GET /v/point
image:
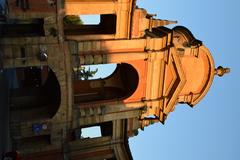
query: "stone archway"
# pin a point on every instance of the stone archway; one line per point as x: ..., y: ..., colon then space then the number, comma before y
x: 36, y: 94
x: 120, y: 85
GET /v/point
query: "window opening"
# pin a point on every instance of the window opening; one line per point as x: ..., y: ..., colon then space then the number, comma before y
x: 98, y: 130
x: 91, y: 132
x: 90, y: 24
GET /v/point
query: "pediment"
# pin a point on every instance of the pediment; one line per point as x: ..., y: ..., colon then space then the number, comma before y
x: 174, y: 80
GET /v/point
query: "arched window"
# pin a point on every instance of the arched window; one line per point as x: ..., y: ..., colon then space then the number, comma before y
x: 35, y: 94
x: 118, y: 86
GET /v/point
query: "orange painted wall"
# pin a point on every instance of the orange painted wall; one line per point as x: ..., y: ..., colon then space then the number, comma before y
x: 141, y: 67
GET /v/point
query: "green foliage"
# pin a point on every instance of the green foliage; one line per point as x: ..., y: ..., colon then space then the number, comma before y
x: 83, y: 74
x: 72, y: 19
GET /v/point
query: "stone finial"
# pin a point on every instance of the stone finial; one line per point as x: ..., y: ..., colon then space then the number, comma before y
x: 220, y: 71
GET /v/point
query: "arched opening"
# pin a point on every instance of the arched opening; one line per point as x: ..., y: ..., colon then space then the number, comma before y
x: 34, y: 94
x: 120, y: 85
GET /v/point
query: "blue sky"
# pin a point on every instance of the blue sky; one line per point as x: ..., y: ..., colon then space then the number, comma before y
x: 210, y: 131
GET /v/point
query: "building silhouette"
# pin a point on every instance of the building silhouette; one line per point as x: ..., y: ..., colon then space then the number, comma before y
x: 50, y: 105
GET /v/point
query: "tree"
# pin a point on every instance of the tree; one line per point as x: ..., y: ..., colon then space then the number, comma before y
x: 72, y: 19
x: 83, y: 74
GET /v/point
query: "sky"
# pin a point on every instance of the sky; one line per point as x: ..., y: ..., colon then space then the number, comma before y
x: 211, y: 130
